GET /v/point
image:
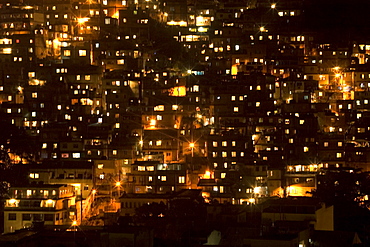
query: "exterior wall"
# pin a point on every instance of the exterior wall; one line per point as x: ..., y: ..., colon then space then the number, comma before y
x: 325, y: 219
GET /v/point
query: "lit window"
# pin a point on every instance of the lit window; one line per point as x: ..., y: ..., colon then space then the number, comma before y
x: 114, y: 152
x: 102, y: 175
x: 214, y: 144
x: 224, y: 154
x: 305, y: 149
x: 82, y: 53
x: 163, y: 178
x: 236, y: 109
x: 339, y: 155
x: 141, y: 168
x: 223, y: 174
x: 76, y: 155
x: 181, y: 179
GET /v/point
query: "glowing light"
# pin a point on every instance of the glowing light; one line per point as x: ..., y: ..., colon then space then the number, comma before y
x: 12, y: 201
x: 74, y: 223
x: 152, y: 122
x: 337, y: 75
x: 178, y: 91
x: 273, y: 6
x: 336, y: 68
x: 118, y: 184
x: 207, y: 175
x: 82, y: 20
x: 93, y: 191
x: 191, y: 144
x: 116, y: 15
x: 262, y: 29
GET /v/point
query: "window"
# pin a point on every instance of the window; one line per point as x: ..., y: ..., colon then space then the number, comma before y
x: 82, y: 53
x: 26, y: 217
x: 223, y: 174
x: 34, y: 175
x: 326, y: 144
x: 181, y: 179
x: 12, y: 216
x: 339, y: 155
x: 236, y: 109
x: 163, y: 178
x: 141, y: 168
x: 150, y: 179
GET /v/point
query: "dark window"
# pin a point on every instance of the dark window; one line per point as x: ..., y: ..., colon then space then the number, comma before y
x: 12, y: 216
x: 26, y: 216
x: 37, y: 217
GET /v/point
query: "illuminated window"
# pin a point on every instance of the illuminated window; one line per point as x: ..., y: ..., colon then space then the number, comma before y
x: 339, y: 155
x: 102, y: 175
x: 236, y: 109
x: 340, y: 144
x: 34, y: 175
x: 224, y: 154
x: 67, y: 53
x: 76, y: 155
x: 214, y: 144
x: 305, y: 149
x: 114, y: 152
x: 82, y: 53
x: 150, y: 179
x: 141, y: 168
x: 34, y: 95
x: 163, y: 178
x: 181, y: 179
x: 158, y: 143
x: 223, y: 174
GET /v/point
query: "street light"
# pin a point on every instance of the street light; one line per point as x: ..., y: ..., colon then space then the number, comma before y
x: 192, y: 145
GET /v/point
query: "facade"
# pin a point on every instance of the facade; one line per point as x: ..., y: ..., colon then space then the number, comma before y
x: 49, y: 204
